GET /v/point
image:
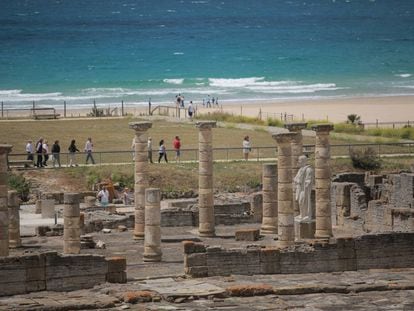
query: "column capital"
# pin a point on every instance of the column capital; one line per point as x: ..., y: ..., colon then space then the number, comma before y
x: 320, y: 128
x: 296, y: 127
x: 205, y: 124
x: 141, y: 126
x: 283, y: 138
x: 5, y: 148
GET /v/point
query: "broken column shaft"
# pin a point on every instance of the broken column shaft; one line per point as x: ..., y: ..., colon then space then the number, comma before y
x: 269, y: 218
x: 14, y: 217
x: 4, y: 213
x: 72, y: 226
x: 152, y: 240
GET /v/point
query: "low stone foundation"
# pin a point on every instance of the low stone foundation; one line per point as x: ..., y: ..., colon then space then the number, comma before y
x: 382, y: 251
x: 54, y: 272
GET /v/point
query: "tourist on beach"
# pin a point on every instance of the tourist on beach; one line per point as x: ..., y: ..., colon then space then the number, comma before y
x: 88, y: 150
x: 212, y: 101
x: 72, y: 151
x: 190, y: 110
x: 103, y: 196
x: 45, y: 151
x: 247, y: 147
x: 177, y: 146
x: 56, y: 153
x: 39, y: 152
x: 162, y: 152
x: 149, y: 148
x: 29, y: 150
x: 208, y: 101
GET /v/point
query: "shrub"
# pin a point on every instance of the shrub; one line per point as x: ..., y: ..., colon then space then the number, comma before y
x: 365, y: 159
x: 353, y: 118
x: 348, y: 128
x: 21, y: 185
x: 274, y: 122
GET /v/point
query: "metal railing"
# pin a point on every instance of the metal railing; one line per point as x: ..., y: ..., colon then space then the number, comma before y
x: 221, y: 154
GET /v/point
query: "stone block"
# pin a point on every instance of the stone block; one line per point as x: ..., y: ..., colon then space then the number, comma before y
x: 196, y: 259
x: 74, y: 282
x: 305, y: 229
x: 197, y: 272
x: 116, y: 264
x: 48, y: 208
x: 247, y: 235
x: 116, y: 277
x: 191, y: 247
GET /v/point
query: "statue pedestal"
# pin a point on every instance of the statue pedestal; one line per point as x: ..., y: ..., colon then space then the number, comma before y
x: 305, y: 229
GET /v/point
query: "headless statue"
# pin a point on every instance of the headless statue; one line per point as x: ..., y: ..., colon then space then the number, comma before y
x: 303, y: 182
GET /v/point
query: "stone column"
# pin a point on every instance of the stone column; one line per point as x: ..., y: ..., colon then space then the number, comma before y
x: 14, y: 218
x: 141, y: 174
x: 205, y: 179
x: 4, y: 213
x: 286, y: 229
x: 323, y: 181
x: 72, y: 226
x: 152, y: 241
x: 269, y: 219
x: 297, y: 151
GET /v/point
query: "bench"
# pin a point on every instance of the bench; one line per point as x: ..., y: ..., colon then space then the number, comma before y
x: 19, y: 163
x: 46, y: 116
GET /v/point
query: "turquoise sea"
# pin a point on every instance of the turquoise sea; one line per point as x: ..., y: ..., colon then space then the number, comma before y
x: 133, y: 50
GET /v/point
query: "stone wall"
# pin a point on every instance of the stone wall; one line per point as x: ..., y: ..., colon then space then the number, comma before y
x: 54, y: 272
x: 394, y: 250
x: 379, y: 204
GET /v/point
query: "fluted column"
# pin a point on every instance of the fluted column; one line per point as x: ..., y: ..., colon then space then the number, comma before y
x: 141, y: 175
x: 269, y: 218
x: 72, y: 226
x: 286, y: 229
x: 14, y: 218
x: 323, y: 181
x: 152, y: 240
x: 297, y: 151
x: 4, y: 213
x: 205, y: 179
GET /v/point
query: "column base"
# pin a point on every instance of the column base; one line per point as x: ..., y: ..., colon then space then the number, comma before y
x: 323, y: 235
x: 152, y: 257
x: 305, y: 229
x: 139, y: 235
x: 207, y: 234
x: 268, y: 230
x: 283, y: 244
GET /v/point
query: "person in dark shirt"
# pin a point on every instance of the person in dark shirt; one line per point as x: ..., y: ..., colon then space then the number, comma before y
x: 72, y: 151
x: 56, y: 154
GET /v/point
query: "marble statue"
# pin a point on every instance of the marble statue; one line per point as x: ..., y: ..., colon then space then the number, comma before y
x: 303, y: 183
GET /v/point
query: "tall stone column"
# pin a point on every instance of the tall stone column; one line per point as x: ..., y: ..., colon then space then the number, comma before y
x: 141, y: 174
x: 286, y: 229
x: 14, y: 218
x: 71, y: 221
x: 152, y: 240
x: 205, y: 179
x: 297, y: 151
x: 4, y: 213
x: 269, y: 219
x: 323, y: 181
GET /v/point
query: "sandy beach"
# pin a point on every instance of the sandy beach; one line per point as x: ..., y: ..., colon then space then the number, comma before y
x: 383, y: 109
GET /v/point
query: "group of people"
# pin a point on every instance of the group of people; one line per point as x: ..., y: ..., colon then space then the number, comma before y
x: 210, y: 102
x: 162, y: 149
x: 43, y: 152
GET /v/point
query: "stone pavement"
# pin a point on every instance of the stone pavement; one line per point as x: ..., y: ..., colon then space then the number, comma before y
x: 170, y: 290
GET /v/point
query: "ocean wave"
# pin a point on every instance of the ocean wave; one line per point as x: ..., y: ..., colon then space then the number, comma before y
x: 178, y: 53
x: 404, y: 75
x: 173, y: 81
x: 295, y: 89
x: 241, y: 82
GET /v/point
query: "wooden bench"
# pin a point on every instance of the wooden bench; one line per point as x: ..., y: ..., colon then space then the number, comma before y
x: 46, y: 116
x: 19, y: 163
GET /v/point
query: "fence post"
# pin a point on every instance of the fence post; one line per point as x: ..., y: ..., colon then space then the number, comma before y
x: 376, y: 123
x: 260, y: 114
x: 64, y: 109
x: 2, y: 111
x: 122, y: 107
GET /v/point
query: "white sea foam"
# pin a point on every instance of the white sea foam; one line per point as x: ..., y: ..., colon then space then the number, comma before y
x: 242, y: 82
x: 174, y: 81
x: 178, y: 53
x: 404, y: 75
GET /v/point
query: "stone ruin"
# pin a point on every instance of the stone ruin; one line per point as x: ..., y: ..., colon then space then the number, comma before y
x: 348, y: 209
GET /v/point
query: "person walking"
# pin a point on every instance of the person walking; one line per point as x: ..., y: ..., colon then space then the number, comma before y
x: 39, y: 152
x: 149, y: 148
x: 45, y: 151
x: 247, y: 147
x: 29, y: 151
x: 88, y: 150
x: 190, y: 110
x: 103, y: 196
x: 162, y: 152
x: 72, y: 152
x: 56, y: 154
x: 177, y: 147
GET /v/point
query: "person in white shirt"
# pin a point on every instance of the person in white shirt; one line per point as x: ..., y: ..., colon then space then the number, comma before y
x: 88, y: 150
x: 103, y: 196
x: 247, y: 147
x: 149, y: 148
x: 29, y: 150
x: 45, y: 147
